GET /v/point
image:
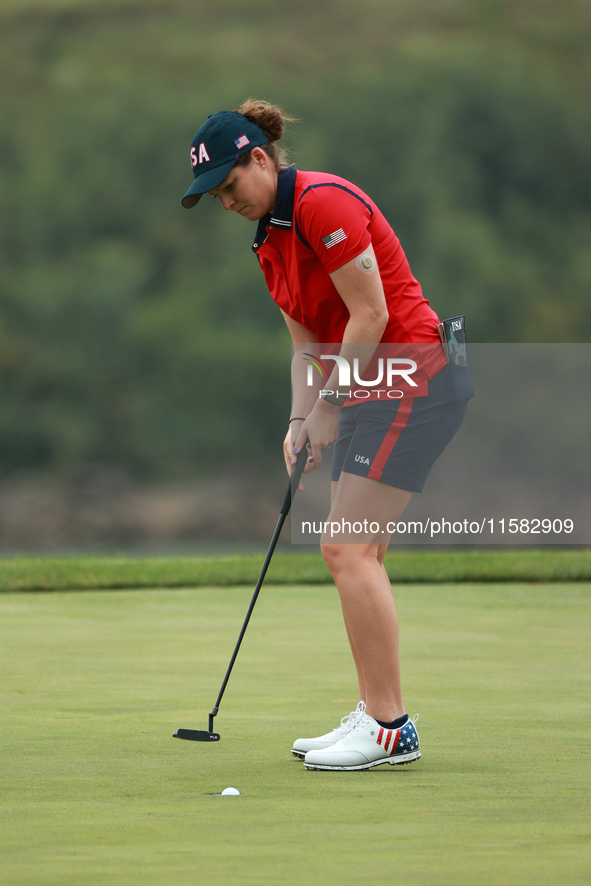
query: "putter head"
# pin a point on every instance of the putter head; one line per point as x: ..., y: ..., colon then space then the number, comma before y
x: 196, y: 735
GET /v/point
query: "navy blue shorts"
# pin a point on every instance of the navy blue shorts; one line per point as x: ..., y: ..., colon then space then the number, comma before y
x: 398, y: 441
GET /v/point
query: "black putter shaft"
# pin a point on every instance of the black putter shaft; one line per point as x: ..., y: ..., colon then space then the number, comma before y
x: 210, y: 735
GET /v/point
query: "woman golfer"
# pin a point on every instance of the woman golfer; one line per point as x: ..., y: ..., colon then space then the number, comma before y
x: 335, y: 268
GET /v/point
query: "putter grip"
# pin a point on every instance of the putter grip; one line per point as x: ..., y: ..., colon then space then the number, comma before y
x: 296, y: 473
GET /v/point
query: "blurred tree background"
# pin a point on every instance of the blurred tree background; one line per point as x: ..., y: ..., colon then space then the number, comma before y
x: 137, y: 338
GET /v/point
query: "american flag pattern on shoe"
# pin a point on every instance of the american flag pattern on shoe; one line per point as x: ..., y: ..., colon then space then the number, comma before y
x: 368, y: 744
x: 399, y: 740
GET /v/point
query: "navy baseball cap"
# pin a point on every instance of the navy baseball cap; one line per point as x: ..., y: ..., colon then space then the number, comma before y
x: 216, y: 147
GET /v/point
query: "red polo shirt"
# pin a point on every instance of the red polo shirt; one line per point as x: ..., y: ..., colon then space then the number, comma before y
x: 319, y: 223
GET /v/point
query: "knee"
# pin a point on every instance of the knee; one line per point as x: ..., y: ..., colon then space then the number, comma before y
x: 339, y: 557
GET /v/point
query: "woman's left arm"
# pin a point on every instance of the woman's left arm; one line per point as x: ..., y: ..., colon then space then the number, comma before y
x: 359, y: 285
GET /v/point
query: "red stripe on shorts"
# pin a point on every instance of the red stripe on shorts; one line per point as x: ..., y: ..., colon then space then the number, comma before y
x: 391, y: 438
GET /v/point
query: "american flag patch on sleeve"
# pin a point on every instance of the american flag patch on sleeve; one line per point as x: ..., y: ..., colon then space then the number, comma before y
x: 334, y: 238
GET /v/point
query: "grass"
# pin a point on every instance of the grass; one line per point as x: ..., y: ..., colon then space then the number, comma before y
x: 84, y: 573
x: 95, y: 790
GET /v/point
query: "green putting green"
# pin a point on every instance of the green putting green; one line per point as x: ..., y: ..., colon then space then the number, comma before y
x: 96, y: 791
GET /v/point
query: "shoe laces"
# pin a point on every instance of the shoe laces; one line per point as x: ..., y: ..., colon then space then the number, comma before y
x: 360, y: 717
x: 355, y: 716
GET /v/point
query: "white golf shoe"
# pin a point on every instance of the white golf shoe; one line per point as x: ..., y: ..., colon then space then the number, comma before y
x: 368, y: 744
x: 302, y: 745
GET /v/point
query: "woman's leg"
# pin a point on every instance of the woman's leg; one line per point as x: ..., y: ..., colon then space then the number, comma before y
x: 366, y: 597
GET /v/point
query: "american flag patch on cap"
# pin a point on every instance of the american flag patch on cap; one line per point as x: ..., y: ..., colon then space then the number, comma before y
x: 241, y: 142
x: 334, y: 238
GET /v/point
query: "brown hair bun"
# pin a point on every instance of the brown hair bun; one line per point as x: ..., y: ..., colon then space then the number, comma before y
x: 270, y: 118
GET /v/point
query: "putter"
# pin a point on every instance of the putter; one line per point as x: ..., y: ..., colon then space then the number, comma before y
x: 209, y: 734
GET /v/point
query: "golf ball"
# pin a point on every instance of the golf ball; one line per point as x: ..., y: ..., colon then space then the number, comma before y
x: 230, y: 792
